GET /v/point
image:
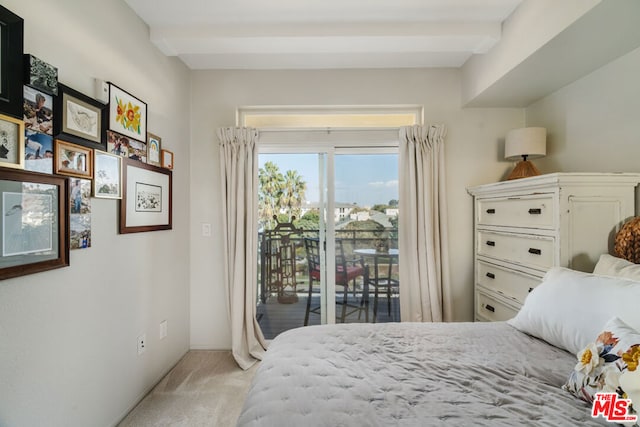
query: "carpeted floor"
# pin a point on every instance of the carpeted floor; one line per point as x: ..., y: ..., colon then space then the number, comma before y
x: 206, y: 388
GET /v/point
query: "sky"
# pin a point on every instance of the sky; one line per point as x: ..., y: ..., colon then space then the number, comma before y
x: 365, y: 179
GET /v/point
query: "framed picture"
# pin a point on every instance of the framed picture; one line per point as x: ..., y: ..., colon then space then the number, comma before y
x: 138, y: 150
x: 40, y: 75
x: 107, y: 180
x: 11, y: 46
x: 127, y: 114
x: 11, y: 146
x: 153, y: 149
x: 37, y: 111
x: 78, y: 118
x: 117, y: 144
x: 146, y: 200
x: 167, y: 159
x: 38, y: 152
x: 35, y: 217
x: 80, y: 213
x: 73, y: 160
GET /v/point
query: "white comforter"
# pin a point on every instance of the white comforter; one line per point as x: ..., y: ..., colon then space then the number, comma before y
x: 412, y: 374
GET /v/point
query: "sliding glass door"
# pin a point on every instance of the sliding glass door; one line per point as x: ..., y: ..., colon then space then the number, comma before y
x: 328, y: 238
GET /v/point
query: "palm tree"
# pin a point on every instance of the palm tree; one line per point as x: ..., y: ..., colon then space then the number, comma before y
x: 293, y: 193
x: 270, y: 182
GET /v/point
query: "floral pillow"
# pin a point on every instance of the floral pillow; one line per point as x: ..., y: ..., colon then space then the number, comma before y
x: 609, y: 365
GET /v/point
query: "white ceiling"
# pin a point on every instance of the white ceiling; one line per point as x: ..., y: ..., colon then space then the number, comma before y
x: 303, y: 34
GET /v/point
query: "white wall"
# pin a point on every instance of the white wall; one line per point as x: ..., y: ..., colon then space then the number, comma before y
x: 593, y: 123
x: 68, y: 337
x: 473, y: 153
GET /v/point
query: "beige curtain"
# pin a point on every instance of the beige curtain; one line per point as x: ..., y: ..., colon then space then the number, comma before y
x: 239, y: 182
x: 425, y: 288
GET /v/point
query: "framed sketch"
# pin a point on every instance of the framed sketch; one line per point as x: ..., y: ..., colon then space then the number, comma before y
x: 78, y: 118
x: 37, y: 111
x: 38, y: 152
x: 127, y: 114
x: 146, y: 203
x: 73, y: 160
x: 153, y: 149
x: 107, y: 180
x: 11, y: 146
x: 40, y: 75
x: 34, y: 227
x: 11, y: 47
x: 167, y: 159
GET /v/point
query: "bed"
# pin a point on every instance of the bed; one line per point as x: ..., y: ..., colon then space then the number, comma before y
x: 521, y: 372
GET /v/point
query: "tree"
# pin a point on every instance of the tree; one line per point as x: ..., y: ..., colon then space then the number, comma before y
x: 293, y: 192
x: 393, y: 203
x: 309, y: 221
x: 270, y: 182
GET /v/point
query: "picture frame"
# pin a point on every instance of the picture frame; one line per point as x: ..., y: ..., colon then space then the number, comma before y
x: 38, y: 152
x: 37, y: 110
x: 146, y: 203
x: 79, y: 118
x: 11, y: 142
x: 79, y: 213
x: 167, y: 159
x: 107, y: 182
x: 154, y: 145
x: 28, y: 247
x: 117, y: 144
x: 73, y: 160
x: 11, y: 49
x: 40, y: 75
x: 127, y: 114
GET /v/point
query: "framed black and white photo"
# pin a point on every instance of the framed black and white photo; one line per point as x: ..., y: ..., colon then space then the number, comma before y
x: 127, y: 114
x: 11, y: 47
x: 107, y: 173
x: 11, y: 145
x: 40, y: 75
x: 35, y: 218
x: 78, y: 118
x: 146, y: 203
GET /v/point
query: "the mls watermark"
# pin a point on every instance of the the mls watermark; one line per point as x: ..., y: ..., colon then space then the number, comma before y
x: 612, y: 408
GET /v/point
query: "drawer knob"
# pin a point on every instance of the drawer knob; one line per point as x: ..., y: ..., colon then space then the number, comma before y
x: 491, y: 275
x: 491, y: 243
x: 535, y: 251
x: 530, y: 289
x: 537, y: 211
x: 491, y: 211
x: 490, y: 308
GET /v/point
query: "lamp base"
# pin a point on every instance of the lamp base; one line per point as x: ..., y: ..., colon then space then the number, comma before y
x: 523, y: 169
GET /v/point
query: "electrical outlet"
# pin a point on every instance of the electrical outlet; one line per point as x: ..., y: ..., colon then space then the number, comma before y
x: 142, y: 344
x: 163, y: 329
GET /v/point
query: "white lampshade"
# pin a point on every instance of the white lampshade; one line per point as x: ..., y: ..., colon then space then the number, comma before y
x: 530, y: 142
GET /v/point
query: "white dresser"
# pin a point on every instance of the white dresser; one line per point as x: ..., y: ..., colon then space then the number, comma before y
x: 523, y: 227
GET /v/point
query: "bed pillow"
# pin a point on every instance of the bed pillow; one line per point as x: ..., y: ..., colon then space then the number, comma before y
x: 617, y: 267
x: 608, y: 365
x: 569, y: 307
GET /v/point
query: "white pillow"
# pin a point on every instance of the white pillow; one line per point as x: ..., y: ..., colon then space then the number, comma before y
x: 569, y: 307
x: 617, y: 267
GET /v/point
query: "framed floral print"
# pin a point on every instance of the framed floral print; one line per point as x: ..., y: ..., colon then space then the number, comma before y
x: 127, y: 114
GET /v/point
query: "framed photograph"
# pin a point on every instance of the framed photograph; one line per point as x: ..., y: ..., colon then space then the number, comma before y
x: 73, y: 160
x: 38, y: 152
x: 138, y: 151
x: 146, y: 200
x: 11, y: 47
x: 35, y: 216
x: 37, y: 111
x: 127, y: 114
x: 153, y: 149
x: 117, y: 144
x: 107, y: 179
x: 167, y: 159
x: 11, y: 146
x: 78, y: 118
x: 40, y: 75
x: 80, y: 213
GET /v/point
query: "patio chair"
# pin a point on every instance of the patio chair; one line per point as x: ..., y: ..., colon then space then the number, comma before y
x: 347, y: 271
x: 380, y: 277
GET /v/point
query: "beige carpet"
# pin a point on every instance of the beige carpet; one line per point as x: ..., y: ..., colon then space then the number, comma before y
x: 206, y: 388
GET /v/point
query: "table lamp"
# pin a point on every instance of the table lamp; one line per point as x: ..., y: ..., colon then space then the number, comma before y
x: 526, y: 143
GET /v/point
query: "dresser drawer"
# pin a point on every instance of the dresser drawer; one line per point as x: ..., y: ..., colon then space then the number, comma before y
x: 488, y: 307
x: 526, y: 211
x: 509, y: 283
x: 523, y: 249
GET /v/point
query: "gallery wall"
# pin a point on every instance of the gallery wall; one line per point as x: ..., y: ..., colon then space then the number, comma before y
x: 68, y: 337
x: 473, y: 151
